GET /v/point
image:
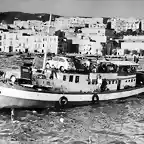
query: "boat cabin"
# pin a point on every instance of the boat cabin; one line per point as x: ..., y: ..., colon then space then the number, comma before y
x: 115, y: 75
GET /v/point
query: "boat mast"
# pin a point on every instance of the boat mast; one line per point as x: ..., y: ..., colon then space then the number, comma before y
x: 46, y: 48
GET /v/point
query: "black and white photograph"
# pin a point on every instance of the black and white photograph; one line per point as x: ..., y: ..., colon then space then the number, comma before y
x: 71, y: 71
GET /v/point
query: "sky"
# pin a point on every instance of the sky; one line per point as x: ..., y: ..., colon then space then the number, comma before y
x: 94, y: 8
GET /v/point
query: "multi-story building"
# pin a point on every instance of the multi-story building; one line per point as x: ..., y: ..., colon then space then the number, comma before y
x: 15, y: 42
x: 97, y: 25
x: 21, y: 24
x: 87, y: 46
x: 121, y: 24
x: 61, y: 23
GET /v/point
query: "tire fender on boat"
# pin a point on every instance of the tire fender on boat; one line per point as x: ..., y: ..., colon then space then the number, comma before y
x: 63, y: 101
x: 95, y: 99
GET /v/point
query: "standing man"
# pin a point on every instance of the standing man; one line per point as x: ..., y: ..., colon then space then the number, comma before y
x: 99, y: 82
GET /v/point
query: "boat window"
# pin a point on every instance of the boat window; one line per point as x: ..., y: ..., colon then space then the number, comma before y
x: 64, y: 78
x: 71, y: 78
x: 76, y: 79
x: 116, y: 82
x: 134, y: 79
x: 109, y: 82
x: 89, y: 82
x: 94, y: 81
x: 113, y: 82
x: 126, y: 81
x: 131, y: 80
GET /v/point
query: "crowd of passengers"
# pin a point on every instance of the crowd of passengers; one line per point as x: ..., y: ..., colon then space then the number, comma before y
x: 110, y: 68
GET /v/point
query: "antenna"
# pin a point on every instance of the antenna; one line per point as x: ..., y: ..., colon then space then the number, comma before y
x: 46, y: 48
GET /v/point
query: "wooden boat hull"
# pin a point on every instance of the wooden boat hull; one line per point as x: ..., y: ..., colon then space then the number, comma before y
x: 17, y: 97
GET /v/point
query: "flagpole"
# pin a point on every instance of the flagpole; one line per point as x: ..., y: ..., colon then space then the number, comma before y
x: 46, y: 48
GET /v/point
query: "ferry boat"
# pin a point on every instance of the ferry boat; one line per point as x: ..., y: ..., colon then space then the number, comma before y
x: 63, y: 89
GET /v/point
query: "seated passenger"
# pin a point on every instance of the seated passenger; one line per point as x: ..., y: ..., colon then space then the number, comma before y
x: 104, y: 85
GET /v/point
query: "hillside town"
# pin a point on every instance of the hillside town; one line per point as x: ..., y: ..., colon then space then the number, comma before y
x: 93, y: 36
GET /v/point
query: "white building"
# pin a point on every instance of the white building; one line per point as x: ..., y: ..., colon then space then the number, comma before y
x: 15, y: 42
x: 131, y: 45
x: 97, y: 25
x: 61, y: 23
x: 86, y: 46
x: 121, y: 24
x: 21, y: 24
x: 96, y: 31
x: 67, y: 22
x: 142, y: 25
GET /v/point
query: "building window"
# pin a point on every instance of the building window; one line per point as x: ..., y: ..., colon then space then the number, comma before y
x: 64, y: 78
x: 76, y: 79
x: 71, y: 78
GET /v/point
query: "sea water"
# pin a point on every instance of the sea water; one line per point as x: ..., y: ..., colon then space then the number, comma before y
x: 111, y: 122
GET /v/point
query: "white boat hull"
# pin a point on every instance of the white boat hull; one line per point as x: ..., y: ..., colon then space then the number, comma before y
x: 11, y: 97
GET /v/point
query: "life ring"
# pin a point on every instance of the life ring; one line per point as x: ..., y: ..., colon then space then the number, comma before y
x: 95, y: 99
x: 13, y: 78
x: 63, y: 101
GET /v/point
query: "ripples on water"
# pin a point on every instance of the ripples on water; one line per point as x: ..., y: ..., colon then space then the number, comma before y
x: 115, y: 122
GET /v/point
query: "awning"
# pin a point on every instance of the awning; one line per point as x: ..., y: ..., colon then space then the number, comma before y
x: 124, y: 63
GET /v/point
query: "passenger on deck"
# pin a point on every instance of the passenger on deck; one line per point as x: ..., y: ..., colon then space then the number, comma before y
x: 104, y: 85
x: 53, y: 72
x: 99, y: 82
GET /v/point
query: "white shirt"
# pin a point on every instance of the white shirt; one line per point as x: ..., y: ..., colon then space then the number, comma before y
x: 99, y: 81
